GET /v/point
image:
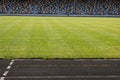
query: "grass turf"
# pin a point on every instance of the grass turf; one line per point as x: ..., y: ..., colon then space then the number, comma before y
x: 59, y: 37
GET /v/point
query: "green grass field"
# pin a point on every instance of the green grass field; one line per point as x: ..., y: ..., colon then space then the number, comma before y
x: 59, y: 37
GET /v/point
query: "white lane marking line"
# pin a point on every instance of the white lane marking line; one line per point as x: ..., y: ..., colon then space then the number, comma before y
x: 96, y: 59
x: 70, y: 60
x: 80, y: 59
x: 38, y: 59
x: 105, y: 59
x: 112, y: 76
x: 11, y: 63
x: 8, y: 67
x: 2, y: 78
x: 5, y: 73
x: 101, y: 59
x: 86, y: 65
x: 30, y: 60
x: 114, y: 59
x: 7, y: 70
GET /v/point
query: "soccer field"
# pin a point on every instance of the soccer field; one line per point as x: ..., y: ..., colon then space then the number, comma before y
x: 59, y: 37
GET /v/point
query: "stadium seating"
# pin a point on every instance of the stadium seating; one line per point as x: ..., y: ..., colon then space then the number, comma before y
x: 61, y: 7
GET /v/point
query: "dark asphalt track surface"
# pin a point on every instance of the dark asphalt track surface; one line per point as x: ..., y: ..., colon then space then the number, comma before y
x: 79, y: 69
x: 3, y: 65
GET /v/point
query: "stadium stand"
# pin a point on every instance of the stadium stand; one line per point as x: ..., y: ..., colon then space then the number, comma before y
x: 61, y: 7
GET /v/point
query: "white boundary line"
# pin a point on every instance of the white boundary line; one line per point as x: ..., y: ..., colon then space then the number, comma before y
x: 91, y: 65
x: 112, y: 76
x: 7, y: 70
x: 97, y: 59
x: 69, y: 59
x: 2, y: 78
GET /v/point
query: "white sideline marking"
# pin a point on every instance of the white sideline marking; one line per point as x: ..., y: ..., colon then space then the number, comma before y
x: 7, y: 70
x: 5, y: 73
x: 29, y: 59
x: 70, y: 65
x: 106, y: 59
x: 71, y: 60
x: 11, y: 63
x: 80, y: 59
x: 112, y: 76
x: 8, y: 67
x: 2, y: 78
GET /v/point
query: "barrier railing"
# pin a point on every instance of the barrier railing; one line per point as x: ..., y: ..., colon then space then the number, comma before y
x: 59, y: 15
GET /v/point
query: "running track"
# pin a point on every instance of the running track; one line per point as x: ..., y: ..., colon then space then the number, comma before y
x: 78, y: 69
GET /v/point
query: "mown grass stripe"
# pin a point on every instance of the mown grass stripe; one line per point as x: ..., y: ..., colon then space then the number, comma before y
x: 59, y: 37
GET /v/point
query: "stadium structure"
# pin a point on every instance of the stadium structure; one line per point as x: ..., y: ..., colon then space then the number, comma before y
x: 60, y: 7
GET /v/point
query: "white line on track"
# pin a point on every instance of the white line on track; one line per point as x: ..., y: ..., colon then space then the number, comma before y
x: 7, y: 70
x: 80, y: 59
x: 11, y: 63
x: 69, y: 65
x: 96, y: 59
x: 5, y: 73
x: 33, y: 77
x: 8, y: 67
x: 29, y: 59
x: 2, y: 78
x: 105, y: 59
x: 71, y: 60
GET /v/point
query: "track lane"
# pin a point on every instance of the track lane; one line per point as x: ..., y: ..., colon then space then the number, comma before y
x: 83, y: 69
